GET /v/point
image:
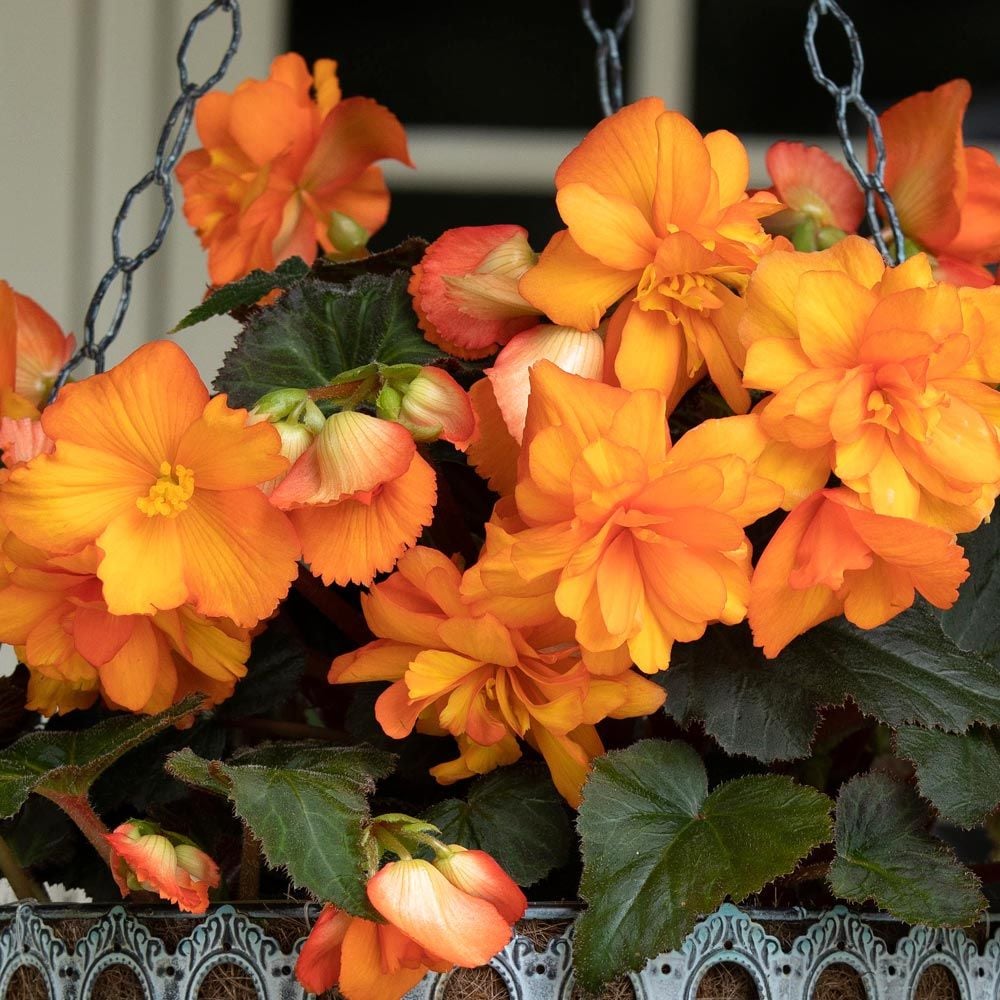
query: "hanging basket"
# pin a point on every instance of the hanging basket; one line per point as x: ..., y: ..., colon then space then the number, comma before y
x: 93, y: 953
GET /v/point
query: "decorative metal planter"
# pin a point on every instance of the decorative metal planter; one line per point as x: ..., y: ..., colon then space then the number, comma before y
x: 784, y: 954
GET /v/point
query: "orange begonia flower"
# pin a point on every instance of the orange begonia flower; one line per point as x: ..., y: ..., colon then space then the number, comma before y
x: 278, y: 163
x: 364, y: 960
x: 466, y: 672
x: 465, y: 289
x: 576, y: 351
x: 831, y: 556
x: 659, y: 214
x: 53, y: 613
x: 359, y: 496
x: 947, y: 194
x: 641, y: 544
x: 813, y: 186
x: 881, y: 376
x: 460, y: 926
x: 142, y: 857
x: 32, y: 351
x: 163, y: 480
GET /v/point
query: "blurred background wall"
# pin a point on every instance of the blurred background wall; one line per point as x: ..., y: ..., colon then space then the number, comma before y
x: 493, y: 96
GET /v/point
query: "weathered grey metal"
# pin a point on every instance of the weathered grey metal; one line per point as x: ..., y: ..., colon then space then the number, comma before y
x: 30, y: 936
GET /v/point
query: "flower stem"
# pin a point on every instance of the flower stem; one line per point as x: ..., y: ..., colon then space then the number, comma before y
x: 250, y: 860
x: 24, y: 886
x: 81, y: 812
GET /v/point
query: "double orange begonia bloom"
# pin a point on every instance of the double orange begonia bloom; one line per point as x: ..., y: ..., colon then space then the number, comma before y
x: 881, y: 376
x: 458, y: 910
x: 638, y: 542
x: 831, y: 556
x: 54, y: 614
x: 163, y: 480
x: 660, y: 215
x: 33, y: 349
x: 465, y: 671
x: 280, y: 157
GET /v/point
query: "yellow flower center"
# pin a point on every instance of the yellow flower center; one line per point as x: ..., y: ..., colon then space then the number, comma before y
x: 169, y: 495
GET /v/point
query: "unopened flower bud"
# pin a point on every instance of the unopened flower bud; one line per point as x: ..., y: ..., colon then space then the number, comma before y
x: 433, y: 405
x: 290, y: 405
x: 143, y: 856
x: 348, y: 238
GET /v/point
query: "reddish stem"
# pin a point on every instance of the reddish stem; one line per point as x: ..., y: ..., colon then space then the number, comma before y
x: 341, y: 391
x: 80, y: 811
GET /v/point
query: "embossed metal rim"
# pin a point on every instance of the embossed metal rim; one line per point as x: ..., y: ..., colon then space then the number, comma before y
x: 126, y: 935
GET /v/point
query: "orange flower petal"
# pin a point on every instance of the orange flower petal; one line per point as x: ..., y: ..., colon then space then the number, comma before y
x: 809, y: 180
x: 606, y: 227
x: 652, y: 353
x: 832, y: 310
x: 130, y: 676
x: 978, y: 237
x: 266, y: 119
x: 925, y: 167
x: 362, y: 975
x: 477, y: 874
x: 352, y: 540
x: 318, y: 965
x: 571, y: 287
x: 492, y: 451
x: 598, y: 160
x: 421, y: 902
x: 683, y: 173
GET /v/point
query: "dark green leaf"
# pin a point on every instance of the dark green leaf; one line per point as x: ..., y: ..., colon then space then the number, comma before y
x: 277, y: 661
x: 246, y: 291
x: 516, y: 815
x: 316, y: 331
x: 659, y: 849
x: 307, y: 805
x: 885, y: 855
x: 906, y: 671
x: 69, y: 762
x: 958, y: 773
x: 973, y: 622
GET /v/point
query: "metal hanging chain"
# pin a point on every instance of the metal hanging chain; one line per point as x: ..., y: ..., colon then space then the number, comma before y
x: 168, y: 150
x: 608, y: 58
x: 872, y: 182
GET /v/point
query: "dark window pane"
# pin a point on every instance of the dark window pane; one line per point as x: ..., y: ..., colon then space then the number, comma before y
x: 520, y: 63
x: 751, y: 73
x: 430, y: 213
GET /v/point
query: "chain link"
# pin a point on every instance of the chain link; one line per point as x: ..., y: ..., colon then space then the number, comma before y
x: 872, y: 181
x: 168, y: 150
x: 608, y: 58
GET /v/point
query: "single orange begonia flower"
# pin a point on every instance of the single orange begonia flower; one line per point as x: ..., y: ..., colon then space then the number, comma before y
x: 144, y: 857
x: 461, y: 926
x: 465, y: 672
x: 163, y: 480
x: 364, y: 960
x: 283, y: 160
x: 33, y: 349
x: 359, y: 496
x: 880, y: 375
x: 659, y: 215
x: 813, y: 186
x: 465, y: 289
x: 641, y: 543
x: 52, y: 611
x: 947, y: 195
x: 831, y: 556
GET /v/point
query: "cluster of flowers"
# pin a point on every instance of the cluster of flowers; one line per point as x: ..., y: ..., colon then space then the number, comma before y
x: 147, y: 529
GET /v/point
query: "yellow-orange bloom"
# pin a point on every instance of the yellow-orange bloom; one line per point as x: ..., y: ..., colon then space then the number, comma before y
x: 882, y: 376
x: 32, y: 351
x: 163, y: 480
x: 658, y: 214
x: 468, y: 673
x: 285, y: 158
x: 359, y: 496
x: 52, y: 611
x: 640, y: 543
x: 831, y: 556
